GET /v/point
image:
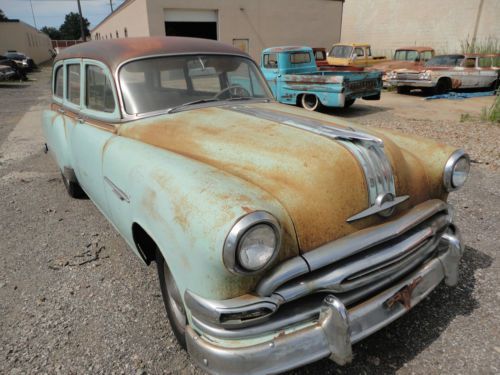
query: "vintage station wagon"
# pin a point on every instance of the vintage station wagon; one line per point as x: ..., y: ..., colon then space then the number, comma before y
x: 280, y: 236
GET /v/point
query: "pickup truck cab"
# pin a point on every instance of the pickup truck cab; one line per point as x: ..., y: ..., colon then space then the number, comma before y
x: 294, y: 78
x: 353, y: 54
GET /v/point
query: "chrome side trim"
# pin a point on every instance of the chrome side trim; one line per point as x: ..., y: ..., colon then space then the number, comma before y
x: 117, y: 191
x: 238, y: 230
x: 349, y: 245
x: 305, y: 123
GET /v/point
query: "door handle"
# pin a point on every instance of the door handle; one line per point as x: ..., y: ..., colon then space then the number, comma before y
x: 81, y: 120
x: 62, y: 111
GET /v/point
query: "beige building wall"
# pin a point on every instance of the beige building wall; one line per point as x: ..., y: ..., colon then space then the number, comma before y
x: 443, y: 24
x: 24, y: 38
x: 132, y: 17
x: 264, y: 23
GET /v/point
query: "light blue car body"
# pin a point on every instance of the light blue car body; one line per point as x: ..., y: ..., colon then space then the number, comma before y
x: 289, y: 81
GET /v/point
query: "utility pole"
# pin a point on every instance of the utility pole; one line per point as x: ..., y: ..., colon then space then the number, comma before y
x: 111, y: 5
x: 82, y: 29
x: 33, y: 13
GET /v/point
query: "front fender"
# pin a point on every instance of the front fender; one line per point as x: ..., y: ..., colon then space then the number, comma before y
x: 188, y: 208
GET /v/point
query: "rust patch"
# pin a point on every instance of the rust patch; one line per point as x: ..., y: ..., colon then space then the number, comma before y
x: 456, y: 83
x: 404, y: 295
x: 247, y: 209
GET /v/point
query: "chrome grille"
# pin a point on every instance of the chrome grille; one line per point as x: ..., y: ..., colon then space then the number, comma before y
x: 407, y: 76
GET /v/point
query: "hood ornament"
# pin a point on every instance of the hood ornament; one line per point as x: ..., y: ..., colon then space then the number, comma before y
x: 384, y: 206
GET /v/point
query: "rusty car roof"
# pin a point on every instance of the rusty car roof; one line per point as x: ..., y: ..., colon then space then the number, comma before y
x: 115, y: 51
x: 415, y: 48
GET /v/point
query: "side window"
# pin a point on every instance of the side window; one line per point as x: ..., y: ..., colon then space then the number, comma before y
x: 58, y: 82
x: 271, y: 60
x: 369, y: 51
x: 73, y: 84
x: 427, y: 55
x: 470, y: 63
x: 99, y: 91
x: 359, y: 52
x: 485, y: 62
x: 320, y: 55
x: 300, y: 57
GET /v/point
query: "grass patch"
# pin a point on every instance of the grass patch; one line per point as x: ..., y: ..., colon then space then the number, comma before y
x: 492, y: 114
x: 488, y: 45
x: 465, y: 117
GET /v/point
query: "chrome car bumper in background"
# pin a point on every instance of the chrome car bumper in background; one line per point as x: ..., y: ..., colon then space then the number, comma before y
x: 328, y: 327
x: 412, y: 83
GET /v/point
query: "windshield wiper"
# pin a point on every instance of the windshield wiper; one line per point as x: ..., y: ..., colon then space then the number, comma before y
x: 199, y: 101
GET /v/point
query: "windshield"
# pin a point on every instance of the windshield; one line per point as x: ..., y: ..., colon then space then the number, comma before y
x: 406, y: 55
x: 162, y: 83
x: 341, y: 51
x: 447, y: 60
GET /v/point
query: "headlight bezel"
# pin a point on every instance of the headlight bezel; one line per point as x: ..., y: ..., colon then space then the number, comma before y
x: 449, y: 169
x: 239, y: 229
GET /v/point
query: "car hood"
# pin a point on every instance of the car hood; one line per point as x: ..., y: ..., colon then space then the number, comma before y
x: 316, y: 179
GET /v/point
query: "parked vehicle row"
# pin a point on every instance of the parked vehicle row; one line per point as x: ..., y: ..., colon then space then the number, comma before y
x: 280, y: 236
x: 15, y: 65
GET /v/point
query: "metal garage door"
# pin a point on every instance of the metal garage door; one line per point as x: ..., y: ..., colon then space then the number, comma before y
x: 191, y: 22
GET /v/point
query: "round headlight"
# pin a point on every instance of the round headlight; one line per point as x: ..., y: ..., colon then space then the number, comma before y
x: 456, y: 170
x: 252, y: 244
x: 257, y: 247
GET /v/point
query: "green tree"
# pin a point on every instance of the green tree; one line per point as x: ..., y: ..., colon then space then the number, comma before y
x: 52, y: 32
x: 70, y: 29
x: 3, y: 17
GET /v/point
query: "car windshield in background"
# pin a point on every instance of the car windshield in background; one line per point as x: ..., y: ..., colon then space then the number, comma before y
x: 406, y: 55
x: 341, y: 51
x: 447, y: 60
x: 163, y: 83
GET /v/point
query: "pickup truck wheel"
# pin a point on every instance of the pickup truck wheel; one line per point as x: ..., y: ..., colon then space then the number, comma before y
x: 172, y: 300
x: 403, y: 90
x: 349, y: 102
x: 73, y: 187
x: 443, y: 86
x: 310, y: 102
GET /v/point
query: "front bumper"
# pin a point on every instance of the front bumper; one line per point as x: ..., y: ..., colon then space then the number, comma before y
x: 411, y: 83
x: 337, y: 327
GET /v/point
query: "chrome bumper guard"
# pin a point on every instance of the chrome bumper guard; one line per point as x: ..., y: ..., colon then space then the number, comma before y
x: 337, y: 327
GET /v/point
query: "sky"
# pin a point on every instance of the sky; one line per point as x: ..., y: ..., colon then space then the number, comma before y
x: 52, y: 12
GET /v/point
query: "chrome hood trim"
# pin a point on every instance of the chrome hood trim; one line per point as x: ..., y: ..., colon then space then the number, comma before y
x: 307, y: 124
x: 367, y: 149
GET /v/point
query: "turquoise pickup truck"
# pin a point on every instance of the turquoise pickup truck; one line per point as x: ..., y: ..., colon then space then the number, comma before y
x: 294, y: 78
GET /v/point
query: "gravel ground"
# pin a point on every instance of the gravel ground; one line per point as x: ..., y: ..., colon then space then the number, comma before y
x: 74, y: 299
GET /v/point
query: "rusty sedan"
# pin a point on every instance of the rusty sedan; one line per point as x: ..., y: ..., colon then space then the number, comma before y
x: 280, y: 236
x: 447, y: 72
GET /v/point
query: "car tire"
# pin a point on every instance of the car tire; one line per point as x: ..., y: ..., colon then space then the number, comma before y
x: 172, y: 300
x: 73, y: 187
x: 442, y: 86
x: 349, y: 102
x: 403, y: 90
x: 310, y: 102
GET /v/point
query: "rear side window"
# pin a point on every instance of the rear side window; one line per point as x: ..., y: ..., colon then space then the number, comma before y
x: 485, y: 62
x: 270, y: 60
x: 99, y: 92
x: 73, y: 88
x: 300, y: 57
x: 320, y: 55
x: 58, y: 82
